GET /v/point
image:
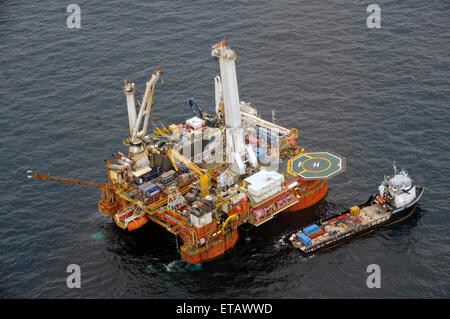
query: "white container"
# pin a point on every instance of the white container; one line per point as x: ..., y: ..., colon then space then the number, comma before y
x: 195, y: 123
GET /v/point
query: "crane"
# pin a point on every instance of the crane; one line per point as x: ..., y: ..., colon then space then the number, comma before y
x: 199, y: 174
x: 145, y: 107
x: 190, y: 102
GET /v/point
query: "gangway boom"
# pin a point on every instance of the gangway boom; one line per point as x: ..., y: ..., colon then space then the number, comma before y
x: 38, y: 175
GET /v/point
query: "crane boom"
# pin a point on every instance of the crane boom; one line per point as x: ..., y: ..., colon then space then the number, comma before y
x: 146, y: 106
x: 254, y: 120
x: 199, y: 174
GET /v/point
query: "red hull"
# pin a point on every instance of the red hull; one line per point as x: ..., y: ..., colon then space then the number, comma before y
x: 215, y: 249
x: 310, y: 192
x: 313, y: 194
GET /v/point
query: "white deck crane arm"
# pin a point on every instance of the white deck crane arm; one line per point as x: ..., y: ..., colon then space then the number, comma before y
x: 146, y: 105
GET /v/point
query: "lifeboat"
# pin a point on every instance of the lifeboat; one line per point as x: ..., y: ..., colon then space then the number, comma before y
x: 137, y: 223
x: 130, y: 220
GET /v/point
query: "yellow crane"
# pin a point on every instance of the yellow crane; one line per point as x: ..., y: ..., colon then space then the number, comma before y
x: 199, y: 174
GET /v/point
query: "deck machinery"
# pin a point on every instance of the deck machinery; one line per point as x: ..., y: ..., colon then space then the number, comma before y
x: 203, y: 178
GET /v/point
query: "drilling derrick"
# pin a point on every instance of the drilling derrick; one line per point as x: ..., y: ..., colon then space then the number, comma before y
x: 227, y: 89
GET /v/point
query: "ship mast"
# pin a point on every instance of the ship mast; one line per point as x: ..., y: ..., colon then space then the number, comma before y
x: 394, y: 167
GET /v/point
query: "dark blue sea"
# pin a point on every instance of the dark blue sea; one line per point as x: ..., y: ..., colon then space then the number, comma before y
x: 372, y: 95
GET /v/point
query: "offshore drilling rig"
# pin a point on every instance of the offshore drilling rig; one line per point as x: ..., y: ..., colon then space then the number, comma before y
x: 203, y: 178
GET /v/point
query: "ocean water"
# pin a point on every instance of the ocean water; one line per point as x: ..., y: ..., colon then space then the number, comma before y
x: 372, y: 95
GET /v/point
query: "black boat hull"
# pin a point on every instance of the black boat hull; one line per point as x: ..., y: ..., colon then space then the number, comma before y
x: 397, y: 216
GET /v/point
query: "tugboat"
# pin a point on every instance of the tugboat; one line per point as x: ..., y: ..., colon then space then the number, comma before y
x: 396, y: 201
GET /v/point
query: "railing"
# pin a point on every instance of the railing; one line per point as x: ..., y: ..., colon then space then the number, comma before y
x: 274, y: 211
x: 151, y: 208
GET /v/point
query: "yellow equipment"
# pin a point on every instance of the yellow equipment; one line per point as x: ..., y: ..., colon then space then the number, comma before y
x: 228, y: 220
x: 354, y: 211
x: 165, y: 130
x: 199, y: 174
x: 173, y: 128
x: 162, y: 132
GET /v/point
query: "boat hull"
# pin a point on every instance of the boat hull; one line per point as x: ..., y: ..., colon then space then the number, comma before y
x: 397, y: 216
x: 406, y: 212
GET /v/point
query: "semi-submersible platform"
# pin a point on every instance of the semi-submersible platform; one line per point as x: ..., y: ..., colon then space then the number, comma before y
x: 203, y: 178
